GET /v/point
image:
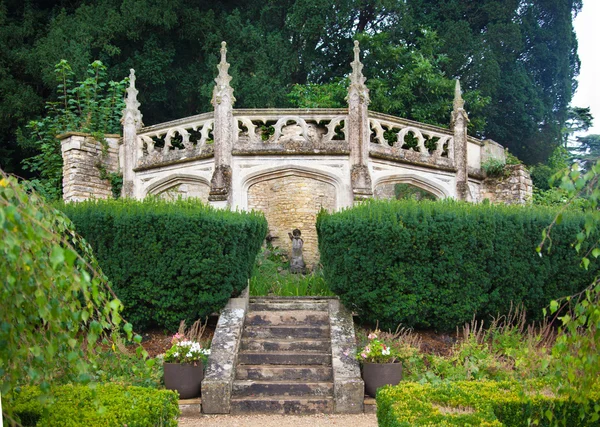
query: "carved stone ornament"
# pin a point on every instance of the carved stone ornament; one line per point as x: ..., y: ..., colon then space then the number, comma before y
x: 458, y: 107
x: 131, y: 112
x: 362, y: 187
x: 222, y: 90
x: 220, y: 184
x: 358, y: 91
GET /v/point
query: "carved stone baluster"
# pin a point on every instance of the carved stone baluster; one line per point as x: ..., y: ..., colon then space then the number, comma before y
x: 132, y: 122
x: 458, y: 123
x: 358, y: 130
x: 224, y: 126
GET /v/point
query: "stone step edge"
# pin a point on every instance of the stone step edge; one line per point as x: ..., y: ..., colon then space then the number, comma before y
x: 300, y: 366
x: 291, y: 298
x: 281, y: 398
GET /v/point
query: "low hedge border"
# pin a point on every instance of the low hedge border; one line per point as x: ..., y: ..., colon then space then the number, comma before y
x: 102, y: 405
x: 475, y: 403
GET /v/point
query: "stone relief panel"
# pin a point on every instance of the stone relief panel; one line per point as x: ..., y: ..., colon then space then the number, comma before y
x: 290, y: 202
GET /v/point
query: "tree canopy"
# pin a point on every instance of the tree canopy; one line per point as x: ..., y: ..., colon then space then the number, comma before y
x: 517, y: 59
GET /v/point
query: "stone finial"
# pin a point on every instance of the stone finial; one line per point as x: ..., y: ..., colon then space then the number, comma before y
x: 459, y: 102
x: 458, y: 106
x: 131, y: 112
x: 357, y: 79
x: 222, y: 88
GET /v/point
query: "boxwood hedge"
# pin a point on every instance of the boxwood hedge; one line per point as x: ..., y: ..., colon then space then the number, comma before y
x: 170, y: 261
x: 104, y: 405
x: 436, y: 264
x: 477, y: 403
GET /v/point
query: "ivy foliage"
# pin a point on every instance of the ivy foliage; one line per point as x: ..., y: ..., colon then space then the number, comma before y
x: 170, y: 261
x: 92, y: 105
x: 436, y: 264
x: 56, y: 302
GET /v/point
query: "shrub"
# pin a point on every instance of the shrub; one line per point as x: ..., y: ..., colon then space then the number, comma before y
x: 170, y: 261
x: 475, y: 403
x: 435, y: 264
x: 102, y: 405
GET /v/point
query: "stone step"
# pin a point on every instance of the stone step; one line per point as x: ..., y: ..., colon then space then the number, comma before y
x: 276, y: 299
x: 282, y: 405
x: 288, y: 305
x: 295, y: 388
x: 293, y: 317
x: 283, y: 358
x: 273, y: 344
x: 286, y: 331
x: 284, y: 372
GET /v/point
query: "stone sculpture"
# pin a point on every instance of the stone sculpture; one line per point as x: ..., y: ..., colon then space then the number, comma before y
x: 297, y: 264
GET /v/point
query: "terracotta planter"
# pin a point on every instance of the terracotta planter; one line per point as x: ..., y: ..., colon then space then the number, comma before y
x: 184, y: 378
x: 377, y: 375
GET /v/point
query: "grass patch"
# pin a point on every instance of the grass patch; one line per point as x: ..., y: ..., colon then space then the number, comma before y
x: 271, y: 277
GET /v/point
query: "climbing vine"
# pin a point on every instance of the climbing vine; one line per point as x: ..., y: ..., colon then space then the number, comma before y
x: 91, y: 105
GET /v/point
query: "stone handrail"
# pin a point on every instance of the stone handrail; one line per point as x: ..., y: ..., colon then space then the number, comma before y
x: 313, y: 126
x: 399, y: 138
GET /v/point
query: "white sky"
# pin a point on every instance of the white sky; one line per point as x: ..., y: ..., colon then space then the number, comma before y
x: 588, y: 34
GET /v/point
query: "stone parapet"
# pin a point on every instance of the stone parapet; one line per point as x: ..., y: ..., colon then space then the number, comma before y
x: 83, y: 160
x: 220, y: 371
x: 514, y: 188
x: 348, y: 387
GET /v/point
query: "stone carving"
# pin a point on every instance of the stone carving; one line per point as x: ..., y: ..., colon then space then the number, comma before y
x: 222, y: 100
x: 297, y: 265
x: 458, y: 123
x: 132, y: 122
x: 358, y: 129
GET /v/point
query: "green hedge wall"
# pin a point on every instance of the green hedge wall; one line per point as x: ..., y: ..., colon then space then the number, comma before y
x: 170, y: 261
x: 106, y: 405
x: 477, y: 403
x: 436, y: 264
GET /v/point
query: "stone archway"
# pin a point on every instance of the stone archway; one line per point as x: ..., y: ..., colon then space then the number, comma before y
x: 292, y: 199
x: 179, y: 185
x: 407, y: 186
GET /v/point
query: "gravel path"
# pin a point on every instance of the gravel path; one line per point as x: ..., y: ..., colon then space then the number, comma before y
x: 360, y: 420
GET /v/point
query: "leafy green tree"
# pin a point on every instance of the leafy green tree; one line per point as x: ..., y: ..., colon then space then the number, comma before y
x: 91, y: 106
x: 587, y: 150
x: 56, y: 303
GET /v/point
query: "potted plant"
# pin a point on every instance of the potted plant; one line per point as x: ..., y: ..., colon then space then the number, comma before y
x: 184, y: 366
x: 380, y: 363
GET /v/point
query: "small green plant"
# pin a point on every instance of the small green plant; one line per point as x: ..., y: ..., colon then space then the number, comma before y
x: 183, y: 351
x: 494, y: 167
x: 271, y: 277
x: 91, y: 105
x: 376, y: 350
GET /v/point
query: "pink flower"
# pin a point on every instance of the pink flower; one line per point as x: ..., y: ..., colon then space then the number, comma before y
x: 367, y: 349
x: 363, y: 355
x: 372, y: 336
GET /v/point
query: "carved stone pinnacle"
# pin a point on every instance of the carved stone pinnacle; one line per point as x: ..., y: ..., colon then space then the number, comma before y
x: 458, y: 100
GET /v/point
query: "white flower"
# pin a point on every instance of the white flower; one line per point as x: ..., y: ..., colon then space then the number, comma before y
x: 385, y: 352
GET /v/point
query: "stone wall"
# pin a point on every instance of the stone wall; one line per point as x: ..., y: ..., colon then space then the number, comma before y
x: 290, y: 202
x: 515, y: 188
x: 186, y: 190
x: 81, y: 174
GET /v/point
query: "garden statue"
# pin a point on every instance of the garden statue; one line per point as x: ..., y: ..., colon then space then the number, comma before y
x: 297, y: 264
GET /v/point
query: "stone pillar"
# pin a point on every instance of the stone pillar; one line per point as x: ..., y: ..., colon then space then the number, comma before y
x: 85, y: 162
x: 458, y: 123
x: 222, y: 100
x: 132, y: 122
x: 358, y: 130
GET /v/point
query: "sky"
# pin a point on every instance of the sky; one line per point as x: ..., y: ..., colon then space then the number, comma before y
x: 588, y: 35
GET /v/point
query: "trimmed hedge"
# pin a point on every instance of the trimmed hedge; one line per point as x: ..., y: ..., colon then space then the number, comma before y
x: 170, y: 261
x: 436, y: 264
x: 475, y: 403
x: 104, y: 405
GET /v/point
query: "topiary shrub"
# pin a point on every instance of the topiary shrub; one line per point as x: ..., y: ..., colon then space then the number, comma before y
x: 102, y: 405
x: 477, y: 403
x: 435, y: 264
x: 170, y: 261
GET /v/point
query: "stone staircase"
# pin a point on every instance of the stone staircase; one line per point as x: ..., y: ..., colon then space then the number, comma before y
x: 284, y: 362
